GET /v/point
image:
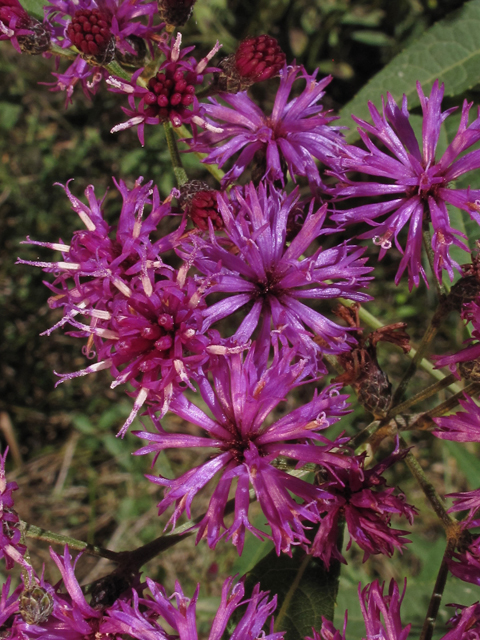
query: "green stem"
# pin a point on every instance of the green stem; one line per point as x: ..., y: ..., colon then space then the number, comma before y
x: 37, y: 533
x: 427, y: 488
x: 178, y: 169
x: 422, y: 395
x: 217, y: 173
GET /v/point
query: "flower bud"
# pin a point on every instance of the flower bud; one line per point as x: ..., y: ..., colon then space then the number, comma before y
x: 90, y: 32
x: 36, y: 605
x: 200, y: 204
x: 256, y: 59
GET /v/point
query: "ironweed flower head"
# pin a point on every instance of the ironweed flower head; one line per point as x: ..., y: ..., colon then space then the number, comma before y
x: 200, y: 204
x: 144, y: 611
x: 170, y: 93
x: 260, y: 272
x: 146, y: 617
x: 362, y: 498
x: 144, y: 321
x: 245, y: 447
x: 99, y: 29
x: 11, y: 548
x: 416, y: 185
x: 296, y: 132
x: 381, y: 614
x: 256, y: 59
x: 26, y: 34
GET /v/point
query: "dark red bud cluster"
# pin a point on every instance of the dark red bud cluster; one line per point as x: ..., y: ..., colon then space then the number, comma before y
x: 175, y: 12
x: 256, y: 59
x: 259, y: 58
x: 200, y: 204
x: 167, y: 92
x: 89, y: 31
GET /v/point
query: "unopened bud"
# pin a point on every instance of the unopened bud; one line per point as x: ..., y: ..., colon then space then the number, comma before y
x: 256, y: 59
x: 200, y: 204
x: 90, y: 32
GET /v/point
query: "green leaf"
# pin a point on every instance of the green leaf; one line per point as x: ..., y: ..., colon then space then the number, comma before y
x: 34, y: 7
x: 305, y: 590
x: 449, y: 51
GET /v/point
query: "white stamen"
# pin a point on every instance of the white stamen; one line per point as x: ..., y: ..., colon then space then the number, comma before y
x: 118, y: 84
x: 122, y: 287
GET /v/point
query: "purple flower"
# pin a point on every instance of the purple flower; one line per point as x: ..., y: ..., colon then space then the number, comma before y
x: 78, y: 72
x: 144, y: 619
x: 295, y: 132
x: 11, y: 548
x: 466, y: 564
x: 463, y: 426
x: 26, y: 34
x: 8, y: 604
x: 260, y: 272
x: 170, y: 93
x: 144, y: 322
x: 415, y: 184
x: 98, y: 29
x: 381, y: 614
x: 246, y: 445
x: 465, y: 623
x: 362, y: 498
x: 470, y: 313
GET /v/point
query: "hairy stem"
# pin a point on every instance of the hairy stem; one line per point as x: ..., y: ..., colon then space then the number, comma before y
x: 428, y: 488
x: 217, y: 173
x: 422, y: 395
x: 178, y: 169
x: 32, y: 531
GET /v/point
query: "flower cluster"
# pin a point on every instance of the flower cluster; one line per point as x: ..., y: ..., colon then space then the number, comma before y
x: 36, y: 609
x: 361, y: 497
x: 290, y: 138
x: 225, y: 296
x: 168, y: 93
x: 240, y: 400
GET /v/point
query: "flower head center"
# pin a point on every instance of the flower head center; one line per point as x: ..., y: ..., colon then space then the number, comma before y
x: 90, y: 32
x: 168, y: 91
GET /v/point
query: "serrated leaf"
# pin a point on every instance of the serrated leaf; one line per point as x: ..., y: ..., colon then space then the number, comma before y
x: 34, y: 8
x: 449, y: 51
x: 305, y: 590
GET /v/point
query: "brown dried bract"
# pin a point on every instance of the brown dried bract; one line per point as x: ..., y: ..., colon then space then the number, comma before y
x: 362, y: 371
